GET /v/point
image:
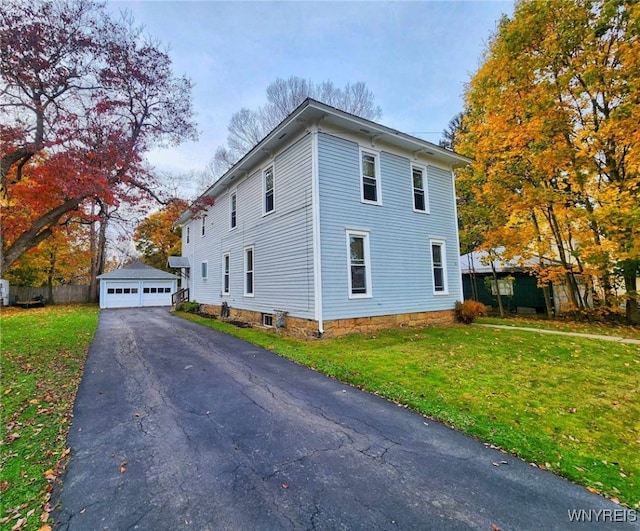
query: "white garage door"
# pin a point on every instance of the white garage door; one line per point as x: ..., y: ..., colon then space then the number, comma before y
x: 121, y: 294
x: 156, y: 293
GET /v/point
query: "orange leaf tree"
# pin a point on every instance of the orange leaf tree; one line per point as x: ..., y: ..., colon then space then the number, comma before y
x: 83, y: 97
x: 157, y: 238
x: 552, y: 122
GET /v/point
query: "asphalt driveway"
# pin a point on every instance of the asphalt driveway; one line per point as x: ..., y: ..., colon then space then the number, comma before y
x: 177, y: 426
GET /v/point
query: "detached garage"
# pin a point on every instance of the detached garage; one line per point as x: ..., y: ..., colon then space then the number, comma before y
x: 135, y: 285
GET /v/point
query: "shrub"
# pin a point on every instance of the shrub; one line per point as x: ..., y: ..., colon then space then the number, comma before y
x: 190, y: 307
x: 467, y: 311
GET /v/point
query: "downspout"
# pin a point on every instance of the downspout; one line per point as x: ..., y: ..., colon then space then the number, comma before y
x: 315, y: 214
x: 457, y: 227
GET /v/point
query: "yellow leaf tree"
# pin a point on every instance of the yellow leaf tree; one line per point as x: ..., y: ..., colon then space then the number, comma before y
x: 552, y: 120
x: 157, y: 238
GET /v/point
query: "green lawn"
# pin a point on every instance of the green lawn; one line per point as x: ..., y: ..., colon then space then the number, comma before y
x: 43, y: 354
x: 568, y: 404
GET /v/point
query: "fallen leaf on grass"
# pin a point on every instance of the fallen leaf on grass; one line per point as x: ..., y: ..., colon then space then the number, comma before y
x: 45, y: 528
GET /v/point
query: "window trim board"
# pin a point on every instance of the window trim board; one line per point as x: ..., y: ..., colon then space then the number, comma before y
x: 368, y: 294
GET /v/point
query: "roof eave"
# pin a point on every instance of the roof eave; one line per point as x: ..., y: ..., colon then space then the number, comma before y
x: 317, y: 111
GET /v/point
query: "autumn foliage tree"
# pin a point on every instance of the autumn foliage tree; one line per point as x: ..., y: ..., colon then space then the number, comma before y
x: 83, y: 97
x: 157, y: 238
x: 552, y: 120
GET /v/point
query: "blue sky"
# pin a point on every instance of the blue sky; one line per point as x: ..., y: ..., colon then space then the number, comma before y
x: 414, y: 56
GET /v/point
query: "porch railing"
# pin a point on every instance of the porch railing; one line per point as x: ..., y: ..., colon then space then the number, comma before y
x: 180, y: 296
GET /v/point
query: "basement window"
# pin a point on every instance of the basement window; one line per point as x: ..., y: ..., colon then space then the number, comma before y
x: 267, y: 320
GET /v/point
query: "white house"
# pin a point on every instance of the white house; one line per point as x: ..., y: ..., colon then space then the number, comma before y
x: 332, y: 223
x: 136, y: 284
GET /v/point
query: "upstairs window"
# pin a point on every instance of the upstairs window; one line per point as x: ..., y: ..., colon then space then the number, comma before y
x: 233, y: 206
x: 420, y: 195
x: 188, y: 232
x: 370, y: 177
x: 269, y: 188
x: 438, y: 263
x: 204, y: 224
x: 359, y: 264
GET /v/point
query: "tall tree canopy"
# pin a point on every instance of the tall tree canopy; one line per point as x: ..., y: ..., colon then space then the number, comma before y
x: 157, y: 238
x: 552, y: 122
x: 247, y: 127
x: 83, y: 97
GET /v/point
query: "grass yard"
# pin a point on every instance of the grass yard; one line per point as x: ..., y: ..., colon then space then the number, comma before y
x: 43, y: 354
x: 567, y: 404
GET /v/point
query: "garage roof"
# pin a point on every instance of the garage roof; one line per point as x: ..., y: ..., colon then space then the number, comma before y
x: 137, y: 271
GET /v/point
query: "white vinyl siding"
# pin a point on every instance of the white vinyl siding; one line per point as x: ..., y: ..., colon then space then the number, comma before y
x: 359, y: 273
x: 371, y: 191
x: 399, y: 238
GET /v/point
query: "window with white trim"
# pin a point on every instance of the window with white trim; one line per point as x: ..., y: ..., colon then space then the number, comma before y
x: 420, y: 191
x: 269, y: 190
x: 226, y: 273
x: 359, y: 264
x: 233, y: 209
x: 248, y: 272
x: 370, y: 177
x: 204, y: 269
x: 188, y: 232
x: 204, y: 224
x: 438, y: 264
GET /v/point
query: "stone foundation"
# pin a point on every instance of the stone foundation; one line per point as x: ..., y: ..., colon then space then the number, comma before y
x: 369, y: 325
x: 307, y: 329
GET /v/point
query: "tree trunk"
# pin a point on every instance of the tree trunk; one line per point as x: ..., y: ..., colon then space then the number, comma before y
x: 495, y: 279
x: 547, y: 300
x: 98, y: 248
x: 50, y: 274
x: 632, y: 309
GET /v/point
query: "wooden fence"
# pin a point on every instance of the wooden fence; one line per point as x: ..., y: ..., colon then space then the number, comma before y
x: 61, y: 294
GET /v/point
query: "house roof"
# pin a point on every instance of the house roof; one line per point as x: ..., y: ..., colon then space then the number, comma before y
x: 311, y: 112
x: 137, y: 271
x: 478, y: 262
